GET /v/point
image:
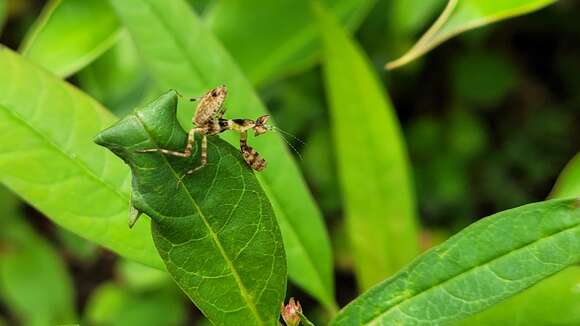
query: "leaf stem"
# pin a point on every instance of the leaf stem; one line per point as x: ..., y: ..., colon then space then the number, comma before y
x: 305, y: 320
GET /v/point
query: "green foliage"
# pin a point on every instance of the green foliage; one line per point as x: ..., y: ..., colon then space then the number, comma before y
x: 59, y: 170
x: 175, y: 46
x: 409, y: 16
x: 443, y: 150
x: 478, y: 267
x: 117, y: 78
x: 139, y: 295
x: 483, y: 78
x: 113, y: 304
x: 269, y: 48
x: 554, y: 301
x: 34, y: 282
x: 463, y: 15
x: 372, y: 162
x: 319, y: 167
x: 568, y: 184
x: 70, y: 34
x: 215, y: 228
x: 77, y: 247
x: 140, y: 278
x: 490, y: 121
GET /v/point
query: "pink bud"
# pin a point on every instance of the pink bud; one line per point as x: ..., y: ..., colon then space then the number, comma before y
x: 291, y: 312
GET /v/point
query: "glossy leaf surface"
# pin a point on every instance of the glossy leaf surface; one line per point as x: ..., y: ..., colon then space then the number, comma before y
x: 49, y: 159
x: 487, y: 262
x: 560, y: 290
x: 463, y: 15
x: 554, y: 301
x: 182, y: 54
x: 69, y: 34
x: 372, y: 160
x: 214, y: 228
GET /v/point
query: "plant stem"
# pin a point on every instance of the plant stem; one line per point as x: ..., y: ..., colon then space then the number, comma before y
x: 305, y: 320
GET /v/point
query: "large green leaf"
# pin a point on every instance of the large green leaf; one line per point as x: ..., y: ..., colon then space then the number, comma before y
x: 485, y: 263
x: 34, y: 283
x: 69, y: 34
x: 372, y: 161
x: 464, y: 15
x: 554, y: 301
x: 215, y: 229
x: 181, y: 53
x: 568, y: 184
x: 270, y: 46
x: 48, y: 158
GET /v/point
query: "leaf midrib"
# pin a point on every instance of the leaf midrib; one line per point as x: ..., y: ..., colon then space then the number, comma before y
x: 235, y: 274
x: 485, y: 264
x: 271, y: 196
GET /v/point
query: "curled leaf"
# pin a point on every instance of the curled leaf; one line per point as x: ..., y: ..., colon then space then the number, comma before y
x: 462, y: 15
x: 214, y: 229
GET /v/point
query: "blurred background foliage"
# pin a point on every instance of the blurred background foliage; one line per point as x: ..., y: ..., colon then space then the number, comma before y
x: 490, y: 119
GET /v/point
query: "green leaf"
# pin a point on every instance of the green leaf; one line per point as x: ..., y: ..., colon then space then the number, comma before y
x: 141, y: 278
x: 561, y: 290
x: 462, y: 15
x: 411, y: 15
x: 34, y: 282
x: 70, y: 34
x: 487, y: 262
x: 554, y: 301
x: 117, y: 78
x: 49, y: 159
x: 214, y: 228
x: 270, y: 46
x: 568, y: 183
x: 113, y: 304
x: 182, y: 54
x: 372, y: 161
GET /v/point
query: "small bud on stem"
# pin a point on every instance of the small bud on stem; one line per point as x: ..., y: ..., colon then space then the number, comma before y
x: 291, y: 312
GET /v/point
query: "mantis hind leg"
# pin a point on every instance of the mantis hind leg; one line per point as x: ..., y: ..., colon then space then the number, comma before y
x: 186, y: 152
x: 203, y: 155
x: 203, y: 160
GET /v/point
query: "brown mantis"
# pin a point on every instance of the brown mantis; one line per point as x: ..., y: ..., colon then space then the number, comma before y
x: 208, y: 121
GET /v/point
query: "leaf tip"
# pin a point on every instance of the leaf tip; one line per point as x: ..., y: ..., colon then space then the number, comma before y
x: 392, y: 65
x: 99, y: 140
x: 134, y: 214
